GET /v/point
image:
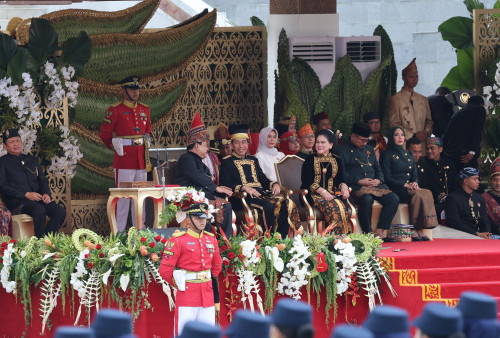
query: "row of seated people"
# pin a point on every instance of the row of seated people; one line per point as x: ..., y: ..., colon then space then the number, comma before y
x: 330, y: 172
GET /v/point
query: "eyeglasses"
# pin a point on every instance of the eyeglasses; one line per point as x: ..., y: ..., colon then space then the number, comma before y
x: 362, y: 139
x: 374, y: 122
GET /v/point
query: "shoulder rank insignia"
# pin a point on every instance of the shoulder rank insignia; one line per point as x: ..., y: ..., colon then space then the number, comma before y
x: 142, y: 103
x: 116, y: 104
x: 228, y: 156
x: 208, y: 233
x: 178, y: 233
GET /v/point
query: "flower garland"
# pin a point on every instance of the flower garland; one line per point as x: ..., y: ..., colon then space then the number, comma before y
x: 346, y: 256
x: 57, y: 85
x: 72, y: 154
x: 9, y: 286
x: 297, y: 270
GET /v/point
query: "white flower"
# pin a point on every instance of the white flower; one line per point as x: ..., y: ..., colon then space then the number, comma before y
x: 48, y: 255
x: 297, y: 270
x: 124, y: 279
x: 115, y: 257
x: 23, y: 254
x: 105, y: 277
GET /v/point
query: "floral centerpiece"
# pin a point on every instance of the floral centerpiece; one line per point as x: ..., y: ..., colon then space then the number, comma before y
x: 180, y: 199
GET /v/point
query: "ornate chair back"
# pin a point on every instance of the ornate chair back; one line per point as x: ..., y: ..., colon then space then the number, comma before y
x: 288, y: 171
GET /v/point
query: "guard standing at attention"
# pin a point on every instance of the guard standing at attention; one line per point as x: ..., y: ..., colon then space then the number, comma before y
x: 189, y: 261
x: 130, y: 123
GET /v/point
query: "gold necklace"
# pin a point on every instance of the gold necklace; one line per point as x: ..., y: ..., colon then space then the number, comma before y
x: 35, y: 172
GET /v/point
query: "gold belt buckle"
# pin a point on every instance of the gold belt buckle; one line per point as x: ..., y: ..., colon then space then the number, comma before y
x: 138, y: 141
x: 202, y: 275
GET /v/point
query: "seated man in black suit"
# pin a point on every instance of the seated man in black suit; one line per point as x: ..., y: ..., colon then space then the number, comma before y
x: 24, y: 187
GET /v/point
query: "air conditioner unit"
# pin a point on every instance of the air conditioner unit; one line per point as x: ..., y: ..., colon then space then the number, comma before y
x: 318, y: 52
x: 365, y: 52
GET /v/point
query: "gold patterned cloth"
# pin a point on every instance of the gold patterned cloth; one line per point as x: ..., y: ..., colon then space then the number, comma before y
x: 411, y: 111
x: 422, y: 210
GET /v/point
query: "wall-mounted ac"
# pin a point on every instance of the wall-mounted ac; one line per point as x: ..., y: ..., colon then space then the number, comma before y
x: 318, y: 52
x: 365, y: 52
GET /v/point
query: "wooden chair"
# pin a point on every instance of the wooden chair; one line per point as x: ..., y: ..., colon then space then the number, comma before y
x: 288, y: 171
x: 22, y: 226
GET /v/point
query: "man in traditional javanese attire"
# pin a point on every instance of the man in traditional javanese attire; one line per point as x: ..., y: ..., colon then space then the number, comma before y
x: 409, y: 109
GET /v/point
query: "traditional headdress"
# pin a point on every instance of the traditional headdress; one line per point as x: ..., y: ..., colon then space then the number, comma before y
x: 222, y: 132
x: 198, y: 131
x: 10, y: 133
x: 370, y: 116
x: 434, y: 140
x: 360, y: 129
x: 318, y: 117
x: 131, y: 82
x: 238, y: 132
x: 495, y: 167
x: 411, y: 68
x: 467, y: 172
x: 305, y: 130
x: 285, y: 140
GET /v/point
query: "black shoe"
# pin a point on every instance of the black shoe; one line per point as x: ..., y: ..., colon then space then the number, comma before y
x: 425, y: 238
x: 389, y: 239
x: 416, y: 239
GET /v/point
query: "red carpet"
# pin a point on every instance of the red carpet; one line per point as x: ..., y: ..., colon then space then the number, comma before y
x: 441, y: 270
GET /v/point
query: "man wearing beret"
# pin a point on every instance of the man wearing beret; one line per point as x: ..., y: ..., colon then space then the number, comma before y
x: 462, y: 140
x: 130, y: 122
x: 363, y: 174
x: 25, y: 189
x: 409, y: 109
x: 189, y: 261
x: 465, y: 209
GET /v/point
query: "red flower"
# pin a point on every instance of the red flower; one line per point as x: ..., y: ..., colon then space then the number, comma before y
x: 4, y: 244
x: 225, y: 262
x: 87, y: 255
x: 230, y: 255
x: 98, y: 246
x: 164, y: 240
x: 13, y: 241
x: 55, y: 257
x: 101, y: 254
x: 367, y: 152
x: 223, y: 248
x: 158, y: 238
x: 143, y: 239
x: 90, y: 265
x: 322, y: 266
x: 152, y: 244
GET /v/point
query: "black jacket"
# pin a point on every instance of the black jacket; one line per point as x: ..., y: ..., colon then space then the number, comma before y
x: 192, y: 172
x: 467, y: 212
x: 19, y: 175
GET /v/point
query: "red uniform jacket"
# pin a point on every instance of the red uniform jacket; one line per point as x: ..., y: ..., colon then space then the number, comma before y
x: 192, y: 252
x: 121, y: 118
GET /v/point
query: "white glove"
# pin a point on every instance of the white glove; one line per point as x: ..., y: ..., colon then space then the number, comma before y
x: 118, y: 145
x: 180, y: 279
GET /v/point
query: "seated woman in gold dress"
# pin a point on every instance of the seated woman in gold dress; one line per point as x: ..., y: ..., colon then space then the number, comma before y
x: 322, y: 176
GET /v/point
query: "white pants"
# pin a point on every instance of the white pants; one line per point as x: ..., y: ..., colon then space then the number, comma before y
x: 194, y: 313
x: 123, y: 204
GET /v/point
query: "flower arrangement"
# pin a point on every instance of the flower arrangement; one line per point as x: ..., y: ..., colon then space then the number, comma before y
x: 122, y: 265
x: 34, y: 83
x: 181, y: 199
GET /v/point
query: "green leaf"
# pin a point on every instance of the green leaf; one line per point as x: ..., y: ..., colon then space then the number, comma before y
x: 305, y: 83
x: 8, y: 50
x: 76, y: 52
x: 454, y: 80
x: 372, y: 91
x: 465, y: 59
x: 43, y: 40
x: 256, y: 21
x: 473, y: 4
x: 387, y: 51
x: 283, y: 49
x: 17, y: 66
x: 457, y: 31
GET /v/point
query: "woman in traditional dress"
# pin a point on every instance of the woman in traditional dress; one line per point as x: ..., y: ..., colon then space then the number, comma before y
x: 400, y: 172
x: 288, y: 143
x: 267, y: 154
x: 5, y: 220
x: 492, y: 198
x: 322, y: 176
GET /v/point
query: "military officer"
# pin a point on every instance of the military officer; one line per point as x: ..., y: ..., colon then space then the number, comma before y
x: 189, y: 261
x: 241, y: 172
x: 130, y: 121
x: 440, y: 175
x: 24, y: 187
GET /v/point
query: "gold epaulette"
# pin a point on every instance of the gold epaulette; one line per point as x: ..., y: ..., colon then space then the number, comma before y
x: 178, y: 234
x: 116, y: 104
x: 141, y: 103
x: 208, y: 233
x: 227, y: 157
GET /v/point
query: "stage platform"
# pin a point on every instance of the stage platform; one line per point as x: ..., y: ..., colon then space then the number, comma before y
x: 421, y: 272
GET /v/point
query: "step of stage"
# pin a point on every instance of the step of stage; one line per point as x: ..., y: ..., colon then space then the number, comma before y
x: 439, y: 271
